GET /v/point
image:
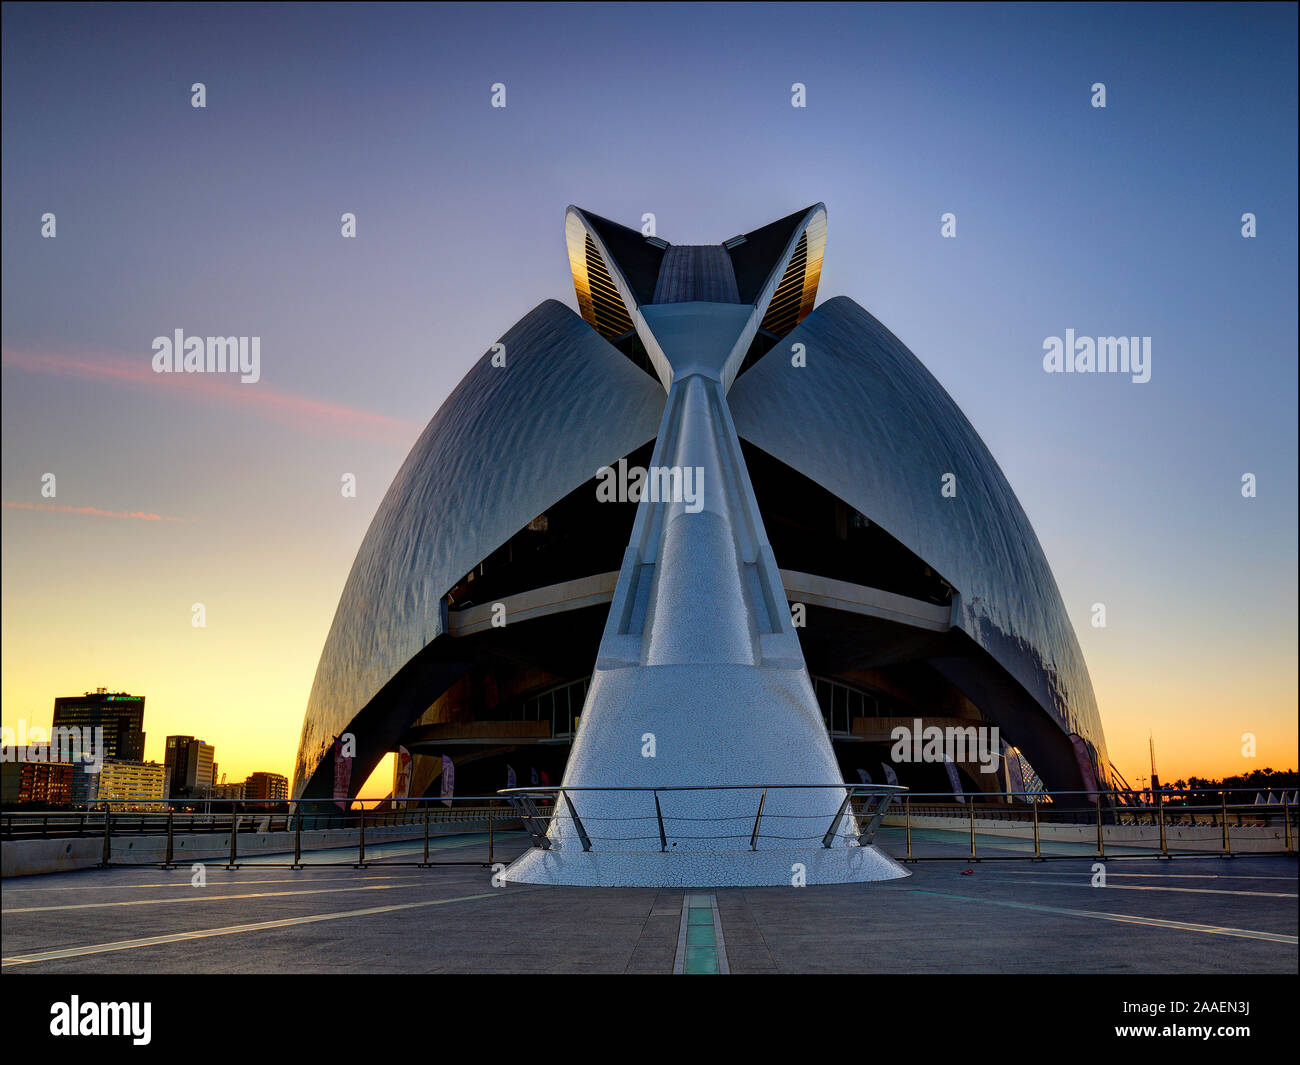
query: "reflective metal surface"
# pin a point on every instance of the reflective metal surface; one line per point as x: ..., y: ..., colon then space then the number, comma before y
x: 871, y: 424
x: 864, y: 419
x: 506, y: 444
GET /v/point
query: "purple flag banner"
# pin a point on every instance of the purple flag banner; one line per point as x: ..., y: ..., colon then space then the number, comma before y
x: 342, y: 775
x: 448, y: 780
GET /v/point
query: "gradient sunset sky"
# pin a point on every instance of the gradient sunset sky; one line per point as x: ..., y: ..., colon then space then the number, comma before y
x: 173, y: 490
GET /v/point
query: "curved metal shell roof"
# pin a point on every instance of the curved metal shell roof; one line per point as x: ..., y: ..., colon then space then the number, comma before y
x: 867, y: 421
x: 507, y: 443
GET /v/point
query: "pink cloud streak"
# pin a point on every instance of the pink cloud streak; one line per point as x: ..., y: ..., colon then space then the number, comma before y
x: 95, y: 511
x: 212, y: 388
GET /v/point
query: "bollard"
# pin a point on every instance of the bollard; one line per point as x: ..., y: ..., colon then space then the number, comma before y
x: 1038, y: 853
x: 234, y: 834
x: 971, y: 805
x: 108, y: 842
x: 1160, y: 813
x: 907, y: 820
x: 1101, y: 845
x: 1227, y: 844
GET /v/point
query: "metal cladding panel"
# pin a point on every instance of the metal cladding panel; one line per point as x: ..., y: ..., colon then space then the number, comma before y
x: 691, y: 273
x: 868, y: 422
x: 507, y: 443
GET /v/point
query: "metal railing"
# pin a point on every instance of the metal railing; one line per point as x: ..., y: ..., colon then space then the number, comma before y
x: 116, y: 823
x: 855, y: 817
x: 934, y: 826
x: 1164, y: 823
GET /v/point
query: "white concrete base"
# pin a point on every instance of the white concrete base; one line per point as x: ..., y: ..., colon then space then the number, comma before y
x: 704, y: 868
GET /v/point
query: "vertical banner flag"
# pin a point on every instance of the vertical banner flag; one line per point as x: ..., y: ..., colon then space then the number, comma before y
x: 510, y: 777
x: 890, y: 775
x: 1015, y: 778
x: 953, y: 778
x: 533, y: 776
x: 342, y: 775
x: 401, y: 775
x: 864, y: 776
x: 1086, y: 770
x: 448, y: 780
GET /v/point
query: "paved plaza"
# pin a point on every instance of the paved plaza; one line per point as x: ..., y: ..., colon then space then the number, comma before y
x: 1199, y: 915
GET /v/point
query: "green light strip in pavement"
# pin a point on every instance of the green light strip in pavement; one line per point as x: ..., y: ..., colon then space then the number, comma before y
x: 700, y: 949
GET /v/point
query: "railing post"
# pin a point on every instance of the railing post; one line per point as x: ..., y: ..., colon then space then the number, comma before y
x: 1101, y: 843
x: 167, y: 864
x: 758, y: 820
x: 907, y: 821
x: 426, y: 833
x: 1160, y: 815
x: 839, y: 814
x: 577, y: 823
x: 659, y: 815
x: 1227, y: 845
x: 970, y: 802
x: 108, y: 841
x: 1286, y: 820
x: 361, y: 841
x: 1038, y: 850
x: 297, y: 835
x: 489, y: 835
x: 234, y: 834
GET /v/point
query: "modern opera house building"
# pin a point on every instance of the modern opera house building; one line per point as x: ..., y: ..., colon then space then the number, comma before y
x: 833, y: 553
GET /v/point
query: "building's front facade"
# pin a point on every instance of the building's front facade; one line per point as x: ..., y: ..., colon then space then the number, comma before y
x: 190, y: 768
x: 508, y: 575
x: 36, y: 781
x: 120, y: 716
x: 228, y: 791
x: 266, y: 787
x: 138, y: 785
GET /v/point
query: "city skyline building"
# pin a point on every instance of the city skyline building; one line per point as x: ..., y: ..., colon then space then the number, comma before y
x: 266, y: 787
x: 190, y: 768
x: 136, y: 783
x: 121, y: 717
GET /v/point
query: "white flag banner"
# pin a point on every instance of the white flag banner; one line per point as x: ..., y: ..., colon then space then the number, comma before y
x: 953, y: 779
